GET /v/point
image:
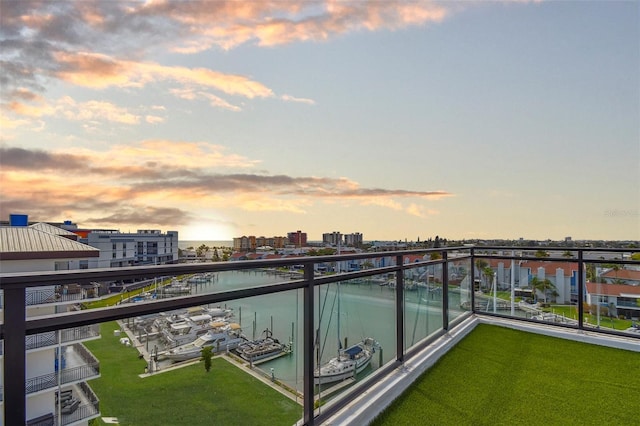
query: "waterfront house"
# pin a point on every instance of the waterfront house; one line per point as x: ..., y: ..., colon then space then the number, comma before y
x: 620, y: 300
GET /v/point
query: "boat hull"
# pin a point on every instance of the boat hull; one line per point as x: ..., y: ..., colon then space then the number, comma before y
x: 262, y: 350
x: 347, y: 364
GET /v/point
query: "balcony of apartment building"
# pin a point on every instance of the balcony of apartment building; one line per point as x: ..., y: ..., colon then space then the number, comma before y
x: 71, y: 364
x: 413, y: 303
x: 62, y: 337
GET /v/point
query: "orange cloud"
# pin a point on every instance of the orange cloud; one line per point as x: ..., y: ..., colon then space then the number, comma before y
x: 100, y: 71
x: 179, y: 176
x: 229, y: 24
x: 70, y: 109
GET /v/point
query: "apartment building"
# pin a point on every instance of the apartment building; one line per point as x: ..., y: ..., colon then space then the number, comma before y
x: 119, y: 249
x: 58, y: 365
x: 252, y: 243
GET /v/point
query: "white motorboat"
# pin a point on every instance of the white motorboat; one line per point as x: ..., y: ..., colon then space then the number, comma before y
x: 347, y: 364
x: 223, y: 338
x: 181, y: 332
x: 263, y: 349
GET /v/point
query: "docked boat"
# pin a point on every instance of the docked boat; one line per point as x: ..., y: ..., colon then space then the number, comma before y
x: 348, y: 363
x: 263, y: 349
x: 224, y: 338
x: 189, y: 329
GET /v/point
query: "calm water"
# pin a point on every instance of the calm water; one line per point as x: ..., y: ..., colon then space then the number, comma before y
x: 363, y: 309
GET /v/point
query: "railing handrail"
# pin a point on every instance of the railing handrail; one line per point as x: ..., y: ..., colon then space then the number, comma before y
x: 66, y: 375
x: 44, y: 278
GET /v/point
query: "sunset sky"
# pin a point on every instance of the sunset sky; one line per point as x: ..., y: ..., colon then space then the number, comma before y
x: 399, y: 120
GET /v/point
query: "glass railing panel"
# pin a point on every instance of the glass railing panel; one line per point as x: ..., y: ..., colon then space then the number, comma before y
x: 423, y: 303
x: 460, y: 287
x: 527, y: 288
x: 257, y: 349
x: 612, y: 296
x: 355, y: 334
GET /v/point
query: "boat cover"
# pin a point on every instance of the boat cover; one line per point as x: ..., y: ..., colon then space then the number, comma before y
x: 353, y: 351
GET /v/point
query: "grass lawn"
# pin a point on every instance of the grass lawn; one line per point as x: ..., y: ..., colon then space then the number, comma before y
x: 499, y: 376
x: 605, y: 321
x: 186, y: 396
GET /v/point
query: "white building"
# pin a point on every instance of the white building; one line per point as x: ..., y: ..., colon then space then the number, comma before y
x: 57, y: 363
x: 621, y: 300
x: 120, y: 249
x: 563, y: 275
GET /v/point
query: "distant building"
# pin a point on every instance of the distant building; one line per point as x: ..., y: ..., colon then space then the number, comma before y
x: 354, y: 240
x: 621, y: 276
x: 251, y: 243
x: 563, y: 275
x: 334, y: 238
x: 619, y: 299
x: 298, y: 238
x: 119, y: 249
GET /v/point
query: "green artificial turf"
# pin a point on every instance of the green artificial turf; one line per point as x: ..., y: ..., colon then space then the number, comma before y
x: 185, y: 396
x: 500, y: 376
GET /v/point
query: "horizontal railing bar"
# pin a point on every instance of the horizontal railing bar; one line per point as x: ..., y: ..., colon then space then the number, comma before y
x: 554, y: 259
x: 43, y: 278
x: 554, y: 248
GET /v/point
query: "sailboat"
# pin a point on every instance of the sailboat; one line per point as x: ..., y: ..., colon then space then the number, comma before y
x: 348, y: 362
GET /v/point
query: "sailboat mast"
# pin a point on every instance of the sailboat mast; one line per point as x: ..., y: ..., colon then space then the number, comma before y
x: 338, y: 291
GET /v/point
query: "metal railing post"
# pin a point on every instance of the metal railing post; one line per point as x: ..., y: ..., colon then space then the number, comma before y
x: 400, y: 309
x: 473, y: 281
x: 15, y: 407
x: 581, y: 284
x: 445, y: 292
x: 309, y: 333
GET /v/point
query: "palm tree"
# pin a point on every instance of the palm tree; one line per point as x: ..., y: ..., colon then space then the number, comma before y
x: 542, y: 253
x: 543, y: 286
x: 481, y: 265
x: 489, y: 273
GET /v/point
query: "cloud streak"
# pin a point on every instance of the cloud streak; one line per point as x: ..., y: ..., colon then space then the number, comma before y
x: 165, y: 173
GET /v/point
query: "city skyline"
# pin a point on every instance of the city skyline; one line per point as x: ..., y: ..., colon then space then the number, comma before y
x: 399, y: 120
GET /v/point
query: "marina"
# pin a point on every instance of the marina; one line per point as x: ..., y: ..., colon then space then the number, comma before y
x: 365, y: 309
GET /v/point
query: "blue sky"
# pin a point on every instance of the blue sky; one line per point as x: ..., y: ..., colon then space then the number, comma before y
x: 393, y: 119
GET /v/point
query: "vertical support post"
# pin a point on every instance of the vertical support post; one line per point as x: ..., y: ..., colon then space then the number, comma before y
x: 473, y: 281
x: 445, y: 291
x: 14, y: 356
x: 309, y: 333
x: 400, y: 309
x: 581, y: 272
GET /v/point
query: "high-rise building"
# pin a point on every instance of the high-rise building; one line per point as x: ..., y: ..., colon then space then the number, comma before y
x: 334, y: 238
x: 353, y: 240
x: 298, y: 238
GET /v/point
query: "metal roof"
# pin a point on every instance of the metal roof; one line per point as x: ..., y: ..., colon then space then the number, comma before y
x: 23, y: 243
x: 55, y: 230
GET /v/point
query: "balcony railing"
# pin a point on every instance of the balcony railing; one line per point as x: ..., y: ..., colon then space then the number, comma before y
x: 82, y: 411
x: 414, y: 278
x: 67, y: 375
x: 50, y: 338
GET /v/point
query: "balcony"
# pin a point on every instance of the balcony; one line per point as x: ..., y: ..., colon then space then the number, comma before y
x: 411, y: 302
x: 79, y: 365
x: 66, y: 336
x: 80, y: 404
